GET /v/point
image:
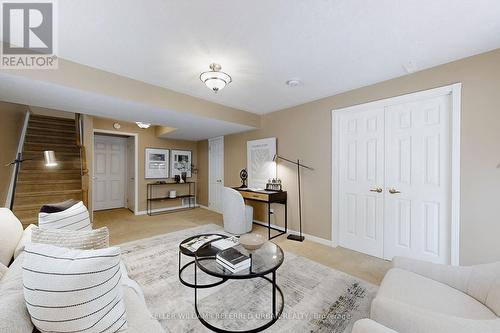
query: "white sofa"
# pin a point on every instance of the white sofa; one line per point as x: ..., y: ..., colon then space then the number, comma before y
x: 421, y: 297
x: 14, y: 316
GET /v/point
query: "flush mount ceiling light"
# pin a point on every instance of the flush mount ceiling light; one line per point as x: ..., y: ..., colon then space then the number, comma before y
x: 142, y: 125
x: 215, y: 79
x: 293, y: 83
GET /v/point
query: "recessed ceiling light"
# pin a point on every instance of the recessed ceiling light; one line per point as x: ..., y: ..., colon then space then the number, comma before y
x: 293, y: 83
x: 142, y: 125
x: 215, y: 79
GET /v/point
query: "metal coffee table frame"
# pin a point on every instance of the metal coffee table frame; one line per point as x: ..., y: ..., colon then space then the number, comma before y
x: 186, y: 252
x: 276, y: 290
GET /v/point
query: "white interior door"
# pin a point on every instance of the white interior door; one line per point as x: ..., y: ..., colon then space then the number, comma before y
x: 109, y: 172
x: 418, y: 164
x: 362, y: 180
x: 131, y: 173
x: 216, y: 173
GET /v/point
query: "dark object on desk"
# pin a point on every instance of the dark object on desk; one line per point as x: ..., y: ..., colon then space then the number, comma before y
x: 243, y: 177
x: 159, y: 182
x: 177, y: 179
x: 184, y: 176
x: 299, y: 237
x: 274, y: 185
x: 267, y: 197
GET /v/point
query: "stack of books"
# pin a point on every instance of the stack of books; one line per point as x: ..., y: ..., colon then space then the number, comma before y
x: 233, y: 260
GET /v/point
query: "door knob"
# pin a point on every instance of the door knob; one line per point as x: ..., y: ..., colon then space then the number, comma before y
x: 393, y: 191
x: 377, y: 189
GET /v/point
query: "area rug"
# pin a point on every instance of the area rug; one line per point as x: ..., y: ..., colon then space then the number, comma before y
x: 317, y: 298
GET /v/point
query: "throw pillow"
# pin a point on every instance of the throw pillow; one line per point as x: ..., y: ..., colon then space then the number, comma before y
x: 14, y: 317
x: 25, y: 238
x: 75, y: 217
x: 69, y: 290
x: 83, y: 240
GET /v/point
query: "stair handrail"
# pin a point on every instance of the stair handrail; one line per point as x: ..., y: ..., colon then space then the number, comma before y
x: 84, y: 171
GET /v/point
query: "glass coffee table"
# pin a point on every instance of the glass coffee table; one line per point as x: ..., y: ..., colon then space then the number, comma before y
x: 264, y: 261
x: 210, y: 252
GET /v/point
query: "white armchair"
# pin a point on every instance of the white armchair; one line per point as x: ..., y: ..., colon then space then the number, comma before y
x: 237, y: 216
x: 421, y: 297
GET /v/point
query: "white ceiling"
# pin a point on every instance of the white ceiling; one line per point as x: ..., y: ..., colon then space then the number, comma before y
x: 332, y: 46
x: 20, y: 90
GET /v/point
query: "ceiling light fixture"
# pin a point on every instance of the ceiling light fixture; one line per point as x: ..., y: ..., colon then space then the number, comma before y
x: 142, y: 125
x: 215, y: 79
x: 293, y: 83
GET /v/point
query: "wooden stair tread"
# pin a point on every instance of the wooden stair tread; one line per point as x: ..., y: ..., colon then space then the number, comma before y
x: 50, y: 118
x: 48, y: 181
x: 54, y: 144
x: 40, y: 128
x: 47, y: 170
x: 46, y: 193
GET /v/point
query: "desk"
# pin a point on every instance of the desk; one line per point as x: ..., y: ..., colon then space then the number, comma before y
x: 267, y: 197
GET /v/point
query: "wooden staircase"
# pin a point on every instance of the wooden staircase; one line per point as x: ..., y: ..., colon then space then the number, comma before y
x: 37, y: 184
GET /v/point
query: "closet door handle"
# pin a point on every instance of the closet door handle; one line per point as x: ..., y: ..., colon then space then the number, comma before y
x: 377, y: 189
x: 393, y: 191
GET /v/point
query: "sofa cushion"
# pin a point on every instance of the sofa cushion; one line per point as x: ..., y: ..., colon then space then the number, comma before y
x: 139, y: 318
x: 83, y: 240
x: 14, y: 317
x: 3, y: 270
x: 25, y: 239
x: 418, y: 291
x: 11, y: 231
x: 405, y: 318
x: 70, y: 290
x: 75, y: 217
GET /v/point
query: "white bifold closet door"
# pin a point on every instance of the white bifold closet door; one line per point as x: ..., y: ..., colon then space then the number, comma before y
x: 395, y: 172
x: 417, y: 177
x: 362, y: 179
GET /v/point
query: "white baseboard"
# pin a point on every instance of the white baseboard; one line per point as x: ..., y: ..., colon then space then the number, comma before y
x: 315, y: 239
x: 159, y: 210
x: 204, y: 207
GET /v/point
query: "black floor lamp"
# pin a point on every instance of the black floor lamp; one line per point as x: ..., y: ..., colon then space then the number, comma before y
x: 50, y: 161
x: 299, y: 237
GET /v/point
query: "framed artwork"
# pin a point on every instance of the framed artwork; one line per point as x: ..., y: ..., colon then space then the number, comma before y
x: 180, y: 162
x: 260, y: 164
x: 156, y: 163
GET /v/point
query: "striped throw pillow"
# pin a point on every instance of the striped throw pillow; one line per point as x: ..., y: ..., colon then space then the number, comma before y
x: 74, y: 218
x: 69, y: 290
x: 83, y: 240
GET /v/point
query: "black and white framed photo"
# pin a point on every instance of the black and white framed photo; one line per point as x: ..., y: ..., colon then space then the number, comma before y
x: 156, y: 163
x: 180, y: 162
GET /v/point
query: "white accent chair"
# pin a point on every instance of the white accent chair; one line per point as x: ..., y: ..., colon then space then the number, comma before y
x: 421, y: 297
x: 236, y: 215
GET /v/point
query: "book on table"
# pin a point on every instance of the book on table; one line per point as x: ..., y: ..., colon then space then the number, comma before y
x: 232, y: 259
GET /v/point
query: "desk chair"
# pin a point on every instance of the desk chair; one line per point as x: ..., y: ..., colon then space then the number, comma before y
x: 237, y: 216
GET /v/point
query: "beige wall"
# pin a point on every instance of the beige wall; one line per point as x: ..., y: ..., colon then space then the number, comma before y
x: 147, y: 138
x: 305, y: 132
x: 11, y: 126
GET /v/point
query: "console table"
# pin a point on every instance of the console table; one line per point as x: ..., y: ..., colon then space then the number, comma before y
x: 267, y: 197
x: 152, y: 197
